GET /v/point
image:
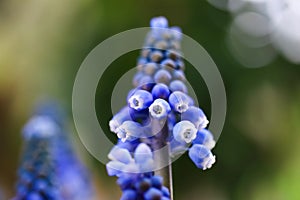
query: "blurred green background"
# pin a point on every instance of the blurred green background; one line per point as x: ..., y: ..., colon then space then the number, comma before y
x: 42, y: 44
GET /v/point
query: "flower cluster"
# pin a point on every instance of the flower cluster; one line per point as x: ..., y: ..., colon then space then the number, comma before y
x: 159, y: 112
x: 136, y: 185
x: 37, y: 177
x: 50, y: 168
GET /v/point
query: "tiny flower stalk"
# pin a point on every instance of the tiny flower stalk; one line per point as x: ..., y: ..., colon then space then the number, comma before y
x: 159, y: 114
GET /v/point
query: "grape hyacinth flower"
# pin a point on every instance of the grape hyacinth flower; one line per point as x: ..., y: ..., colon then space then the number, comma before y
x: 159, y: 113
x: 49, y: 161
x: 37, y: 175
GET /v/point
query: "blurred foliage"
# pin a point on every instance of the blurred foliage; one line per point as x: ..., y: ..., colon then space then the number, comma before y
x: 42, y: 44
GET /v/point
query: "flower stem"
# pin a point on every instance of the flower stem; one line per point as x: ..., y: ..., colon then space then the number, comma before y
x: 166, y: 173
x: 159, y: 141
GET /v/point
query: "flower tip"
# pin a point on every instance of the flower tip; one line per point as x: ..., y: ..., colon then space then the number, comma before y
x: 202, y: 156
x: 41, y: 127
x: 159, y: 22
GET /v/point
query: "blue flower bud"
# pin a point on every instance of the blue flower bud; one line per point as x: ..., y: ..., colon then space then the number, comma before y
x: 160, y: 44
x: 142, y: 153
x: 157, y: 181
x: 114, y: 168
x: 159, y: 22
x: 142, y: 61
x: 178, y: 85
x: 125, y: 182
x: 179, y: 75
x: 165, y: 191
x: 168, y: 64
x: 184, y: 132
x: 34, y: 196
x: 159, y: 109
x: 206, y: 138
x: 177, y: 32
x: 160, y: 91
x: 172, y: 55
x: 143, y: 185
x: 129, y: 195
x: 129, y: 145
x: 129, y: 130
x: 122, y: 116
x: 131, y: 169
x: 150, y: 68
x: 196, y: 116
x: 137, y: 77
x: 40, y: 127
x: 179, y: 101
x: 120, y: 154
x: 201, y: 156
x: 156, y: 56
x: 145, y: 52
x: 146, y: 81
x: 140, y: 100
x: 153, y: 194
x: 162, y: 76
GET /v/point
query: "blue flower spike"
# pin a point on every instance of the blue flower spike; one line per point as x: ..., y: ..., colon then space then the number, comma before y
x: 159, y: 112
x: 50, y: 170
x: 37, y: 176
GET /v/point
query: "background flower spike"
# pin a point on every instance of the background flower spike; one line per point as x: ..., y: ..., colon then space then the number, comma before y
x: 50, y: 168
x: 37, y: 173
